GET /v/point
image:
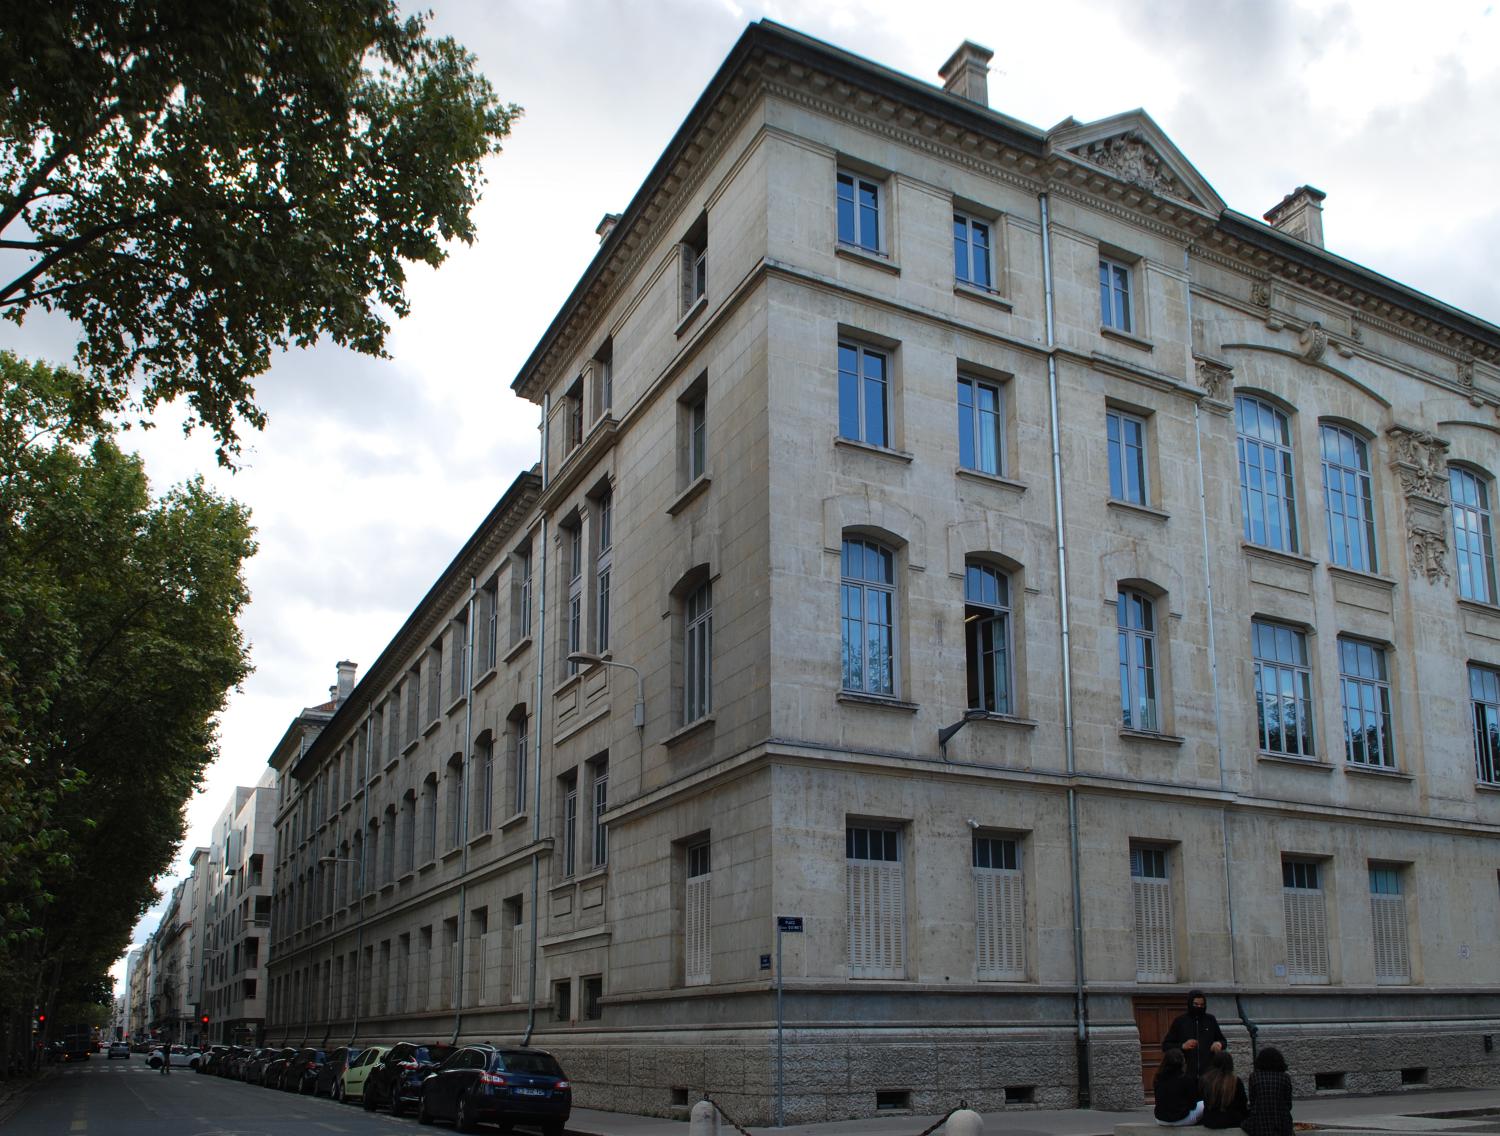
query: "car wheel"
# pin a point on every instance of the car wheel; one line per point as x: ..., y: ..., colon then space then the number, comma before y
x: 367, y: 1100
x: 465, y: 1121
x: 397, y: 1108
x: 423, y: 1116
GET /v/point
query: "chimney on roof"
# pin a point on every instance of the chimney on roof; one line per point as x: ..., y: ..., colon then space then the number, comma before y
x: 607, y: 226
x: 345, y: 685
x: 1300, y: 214
x: 966, y: 73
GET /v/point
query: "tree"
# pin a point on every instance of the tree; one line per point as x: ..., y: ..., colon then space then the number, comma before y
x: 196, y: 185
x: 118, y: 646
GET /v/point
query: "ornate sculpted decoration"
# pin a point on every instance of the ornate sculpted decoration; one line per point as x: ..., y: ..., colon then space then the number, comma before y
x: 1313, y: 341
x: 1429, y: 550
x: 1466, y: 372
x: 1216, y: 379
x: 1260, y: 294
x: 1129, y: 158
x: 1420, y: 461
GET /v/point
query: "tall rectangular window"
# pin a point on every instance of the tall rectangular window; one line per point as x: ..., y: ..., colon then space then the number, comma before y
x: 1484, y: 707
x: 858, y: 211
x: 1388, y: 925
x: 981, y: 422
x: 519, y: 745
x: 1155, y: 934
x: 876, y: 882
x: 864, y: 395
x: 484, y: 757
x: 697, y: 438
x: 972, y: 253
x: 604, y: 562
x: 697, y: 687
x: 1306, y: 921
x: 455, y: 801
x: 570, y: 825
x: 1135, y: 616
x: 1473, y: 535
x: 521, y: 593
x: 435, y: 681
x: 1346, y: 491
x: 694, y: 263
x: 573, y: 628
x: 698, y: 917
x: 458, y: 636
x: 1264, y: 447
x: 1366, y: 695
x: 486, y: 644
x: 868, y: 621
x: 1127, y: 457
x: 1283, y: 690
x: 987, y: 638
x: 999, y: 910
x: 600, y: 839
x: 1114, y: 295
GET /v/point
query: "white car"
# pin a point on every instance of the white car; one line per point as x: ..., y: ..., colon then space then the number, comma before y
x: 119, y: 1049
x: 182, y: 1057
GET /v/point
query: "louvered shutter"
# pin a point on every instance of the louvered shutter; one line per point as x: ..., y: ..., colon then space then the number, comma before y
x: 1392, y: 963
x: 877, y: 919
x: 1306, y: 936
x: 398, y: 995
x: 520, y: 966
x: 999, y: 924
x: 1155, y: 943
x: 435, y: 979
x: 453, y: 984
x: 698, y: 948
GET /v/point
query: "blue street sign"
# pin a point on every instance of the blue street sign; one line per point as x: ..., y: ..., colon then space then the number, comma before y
x: 789, y: 923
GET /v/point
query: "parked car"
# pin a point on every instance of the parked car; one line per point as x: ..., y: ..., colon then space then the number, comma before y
x: 501, y: 1086
x: 302, y: 1071
x: 119, y: 1049
x: 351, y: 1086
x: 213, y: 1057
x: 271, y: 1073
x: 332, y: 1069
x: 256, y: 1064
x: 396, y: 1083
x: 233, y: 1062
x: 182, y: 1057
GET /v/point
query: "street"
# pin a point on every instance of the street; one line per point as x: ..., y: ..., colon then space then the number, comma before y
x: 125, y: 1098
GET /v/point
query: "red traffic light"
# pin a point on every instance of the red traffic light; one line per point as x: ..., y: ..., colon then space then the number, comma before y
x: 204, y: 1019
x: 41, y: 1018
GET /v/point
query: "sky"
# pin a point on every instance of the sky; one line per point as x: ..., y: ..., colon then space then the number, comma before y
x: 371, y: 474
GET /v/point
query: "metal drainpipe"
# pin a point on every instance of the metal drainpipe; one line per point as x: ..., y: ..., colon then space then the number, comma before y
x: 1213, y: 676
x: 464, y: 805
x: 359, y: 940
x: 1080, y: 1001
x: 540, y: 576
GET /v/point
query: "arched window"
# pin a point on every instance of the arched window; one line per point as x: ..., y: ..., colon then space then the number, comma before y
x: 868, y: 609
x: 1264, y: 448
x: 1473, y: 535
x: 697, y: 655
x: 1346, y: 493
x: 987, y: 638
x: 1135, y: 618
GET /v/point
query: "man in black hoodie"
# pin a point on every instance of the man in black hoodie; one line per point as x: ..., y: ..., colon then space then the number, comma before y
x: 1196, y: 1033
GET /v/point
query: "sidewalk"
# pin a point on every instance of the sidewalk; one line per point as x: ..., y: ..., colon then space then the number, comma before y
x: 1347, y: 1116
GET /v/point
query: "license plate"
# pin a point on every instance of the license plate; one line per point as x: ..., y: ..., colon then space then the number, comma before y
x: 531, y: 1092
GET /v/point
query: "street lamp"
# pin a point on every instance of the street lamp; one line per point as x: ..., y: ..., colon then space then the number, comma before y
x: 946, y: 733
x: 359, y: 945
x: 589, y: 659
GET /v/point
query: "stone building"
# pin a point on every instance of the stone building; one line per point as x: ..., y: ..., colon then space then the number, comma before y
x: 1057, y: 588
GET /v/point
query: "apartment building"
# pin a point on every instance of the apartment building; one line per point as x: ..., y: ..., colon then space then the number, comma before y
x: 1055, y: 587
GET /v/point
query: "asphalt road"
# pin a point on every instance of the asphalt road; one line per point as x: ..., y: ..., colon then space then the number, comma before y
x: 101, y: 1097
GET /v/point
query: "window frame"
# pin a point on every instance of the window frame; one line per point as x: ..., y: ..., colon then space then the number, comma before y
x: 1000, y: 890
x: 979, y: 613
x: 892, y: 851
x: 604, y: 512
x: 1113, y: 317
x: 1304, y: 876
x: 865, y: 587
x: 1351, y: 534
x: 1139, y: 659
x: 1354, y: 650
x: 1301, y: 671
x: 971, y: 419
x: 966, y: 251
x: 1484, y: 718
x: 598, y: 806
x: 697, y: 677
x: 1283, y: 503
x: 1151, y: 872
x: 1474, y: 543
x: 860, y: 215
x: 854, y: 401
x: 1116, y: 423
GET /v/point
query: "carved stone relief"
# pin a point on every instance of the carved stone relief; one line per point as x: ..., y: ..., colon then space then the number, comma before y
x: 1429, y: 553
x: 1313, y: 341
x: 1131, y: 159
x: 1260, y: 294
x: 1421, y: 464
x: 1216, y: 379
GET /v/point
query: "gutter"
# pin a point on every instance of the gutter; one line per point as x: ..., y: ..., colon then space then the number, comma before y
x: 540, y: 576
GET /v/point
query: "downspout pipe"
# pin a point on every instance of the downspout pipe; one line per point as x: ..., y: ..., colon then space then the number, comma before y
x: 540, y: 576
x: 1080, y: 1000
x: 465, y: 809
x: 359, y: 940
x: 1213, y: 676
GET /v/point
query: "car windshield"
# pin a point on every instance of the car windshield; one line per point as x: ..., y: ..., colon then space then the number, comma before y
x: 434, y: 1054
x: 543, y: 1064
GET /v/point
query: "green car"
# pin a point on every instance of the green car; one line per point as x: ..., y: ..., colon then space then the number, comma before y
x: 351, y: 1086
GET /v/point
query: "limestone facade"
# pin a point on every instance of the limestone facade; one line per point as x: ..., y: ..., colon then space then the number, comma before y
x: 1030, y: 420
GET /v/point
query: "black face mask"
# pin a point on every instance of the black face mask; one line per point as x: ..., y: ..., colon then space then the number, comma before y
x: 1198, y: 1011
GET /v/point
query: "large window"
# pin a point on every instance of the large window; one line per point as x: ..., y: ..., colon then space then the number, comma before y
x: 455, y: 800
x: 1283, y: 690
x: 570, y: 824
x: 972, y: 252
x: 1473, y: 535
x: 877, y: 902
x: 868, y: 608
x: 1346, y: 492
x: 520, y: 596
x: 484, y: 758
x: 697, y: 686
x: 698, y: 917
x: 694, y: 263
x: 1264, y: 447
x: 981, y: 414
x: 1366, y: 694
x: 600, y: 841
x: 1135, y: 616
x: 1155, y: 924
x: 518, y: 758
x: 573, y: 626
x: 1127, y: 457
x: 999, y: 910
x: 987, y: 638
x: 1306, y: 921
x: 859, y: 211
x: 1114, y: 295
x: 1484, y: 703
x: 864, y: 394
x: 1388, y: 925
x: 605, y: 508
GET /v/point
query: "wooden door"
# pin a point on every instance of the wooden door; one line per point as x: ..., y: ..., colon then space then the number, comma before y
x: 1153, y: 1017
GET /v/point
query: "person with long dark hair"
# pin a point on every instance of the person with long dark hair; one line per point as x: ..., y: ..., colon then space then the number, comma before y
x: 1224, y: 1102
x: 1178, y: 1102
x: 1270, y: 1096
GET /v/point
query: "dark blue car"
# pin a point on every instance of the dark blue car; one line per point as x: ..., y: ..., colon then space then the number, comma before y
x: 482, y: 1083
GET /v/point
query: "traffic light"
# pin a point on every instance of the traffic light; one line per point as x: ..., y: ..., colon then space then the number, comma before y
x: 41, y: 1019
x: 204, y: 1019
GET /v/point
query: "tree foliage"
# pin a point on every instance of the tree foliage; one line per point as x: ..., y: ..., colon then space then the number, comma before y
x: 119, y: 644
x: 198, y: 184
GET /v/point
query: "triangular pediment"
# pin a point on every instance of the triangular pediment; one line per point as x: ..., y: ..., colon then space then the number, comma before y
x: 1132, y: 148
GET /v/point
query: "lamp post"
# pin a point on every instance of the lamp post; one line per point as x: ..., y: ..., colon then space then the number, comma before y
x: 359, y: 944
x: 588, y: 658
x: 945, y: 735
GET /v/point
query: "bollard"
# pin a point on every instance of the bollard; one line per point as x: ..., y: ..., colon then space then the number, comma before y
x: 704, y: 1120
x: 964, y: 1122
